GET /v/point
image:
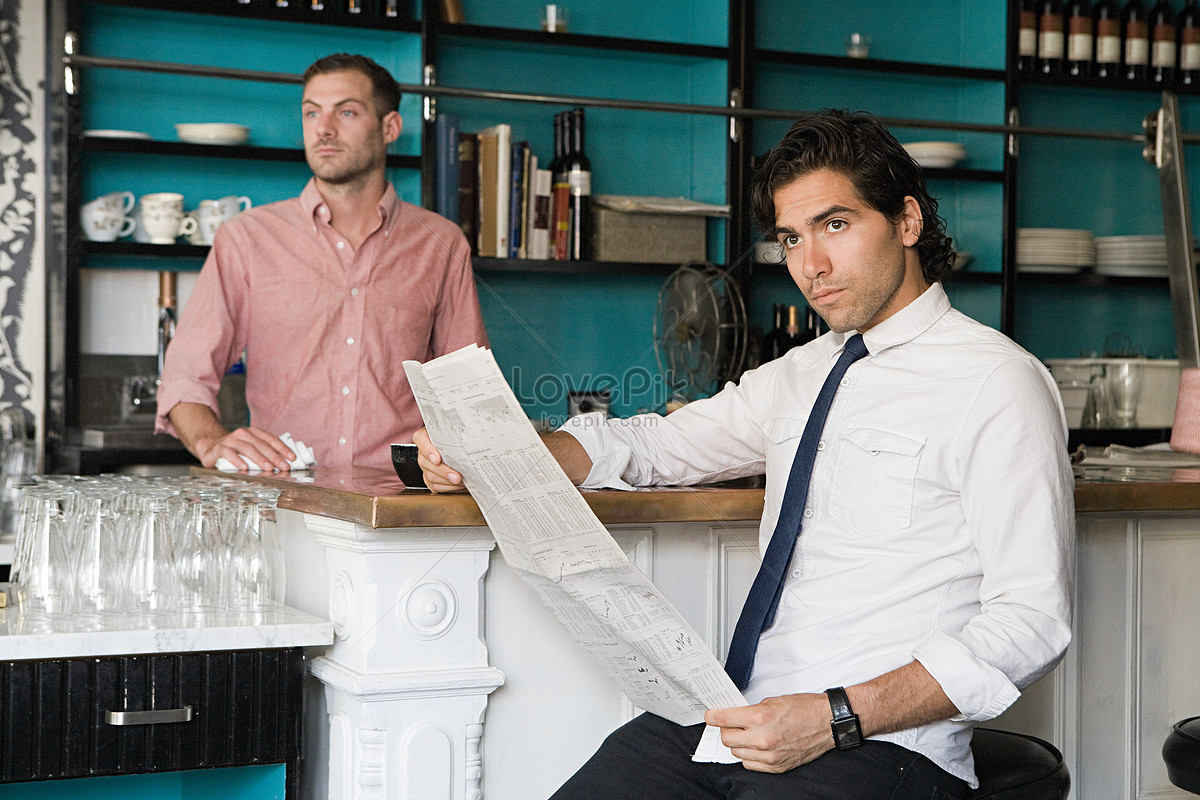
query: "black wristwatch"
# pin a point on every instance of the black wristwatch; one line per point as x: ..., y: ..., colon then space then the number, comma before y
x: 846, y: 730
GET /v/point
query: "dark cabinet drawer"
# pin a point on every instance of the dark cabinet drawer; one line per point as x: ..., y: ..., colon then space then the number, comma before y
x: 55, y: 722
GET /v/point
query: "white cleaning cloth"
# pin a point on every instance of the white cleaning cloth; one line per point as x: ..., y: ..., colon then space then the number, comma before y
x: 303, y: 460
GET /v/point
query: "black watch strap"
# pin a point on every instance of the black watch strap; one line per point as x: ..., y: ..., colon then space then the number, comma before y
x: 846, y: 730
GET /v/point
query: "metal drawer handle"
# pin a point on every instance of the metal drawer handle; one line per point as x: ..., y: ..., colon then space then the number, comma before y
x: 149, y: 717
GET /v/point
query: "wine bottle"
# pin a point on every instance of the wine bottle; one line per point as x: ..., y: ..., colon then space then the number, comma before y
x: 772, y: 342
x: 1080, y: 38
x: 1107, y: 31
x: 1137, y: 40
x: 1050, y: 37
x: 1027, y: 36
x: 579, y: 176
x: 785, y: 336
x: 812, y: 326
x: 1189, y: 44
x: 560, y: 190
x: 1162, y: 43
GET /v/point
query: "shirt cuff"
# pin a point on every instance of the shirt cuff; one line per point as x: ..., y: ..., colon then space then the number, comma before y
x: 978, y: 690
x: 609, y: 455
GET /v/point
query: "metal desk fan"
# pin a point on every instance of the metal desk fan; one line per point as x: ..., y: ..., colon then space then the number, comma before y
x: 699, y: 330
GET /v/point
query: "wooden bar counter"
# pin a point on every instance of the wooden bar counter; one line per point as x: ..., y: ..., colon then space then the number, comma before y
x: 377, y: 498
x: 432, y: 629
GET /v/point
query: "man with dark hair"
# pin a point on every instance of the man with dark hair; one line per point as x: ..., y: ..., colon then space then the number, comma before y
x: 918, y: 524
x: 383, y: 86
x: 327, y: 294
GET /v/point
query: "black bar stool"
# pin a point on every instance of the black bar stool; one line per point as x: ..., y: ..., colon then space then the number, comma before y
x: 1181, y: 751
x: 1013, y: 766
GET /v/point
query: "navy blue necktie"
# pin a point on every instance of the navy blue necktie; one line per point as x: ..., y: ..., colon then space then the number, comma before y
x: 759, y: 611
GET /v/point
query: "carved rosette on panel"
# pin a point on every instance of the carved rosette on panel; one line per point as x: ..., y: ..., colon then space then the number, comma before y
x: 341, y: 603
x: 429, y: 609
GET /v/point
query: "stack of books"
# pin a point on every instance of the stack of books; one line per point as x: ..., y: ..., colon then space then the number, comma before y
x: 494, y: 189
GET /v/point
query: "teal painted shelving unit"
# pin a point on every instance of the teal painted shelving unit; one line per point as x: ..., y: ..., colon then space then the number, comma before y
x: 570, y: 326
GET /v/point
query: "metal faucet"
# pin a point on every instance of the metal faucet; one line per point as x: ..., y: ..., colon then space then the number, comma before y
x: 141, y: 392
x: 166, y: 317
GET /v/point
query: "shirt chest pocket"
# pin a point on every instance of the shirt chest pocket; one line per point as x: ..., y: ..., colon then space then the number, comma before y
x: 874, y: 480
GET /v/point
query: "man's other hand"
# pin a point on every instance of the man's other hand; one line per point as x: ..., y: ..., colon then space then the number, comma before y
x: 778, y: 734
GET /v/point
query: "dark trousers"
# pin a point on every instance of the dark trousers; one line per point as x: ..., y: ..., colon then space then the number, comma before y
x: 650, y: 759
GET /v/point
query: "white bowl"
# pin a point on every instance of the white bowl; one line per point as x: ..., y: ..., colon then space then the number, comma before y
x: 937, y: 162
x: 212, y: 132
x: 935, y: 147
x: 936, y: 154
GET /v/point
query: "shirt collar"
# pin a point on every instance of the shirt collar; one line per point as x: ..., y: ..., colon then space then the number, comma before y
x: 905, y: 325
x: 315, y: 209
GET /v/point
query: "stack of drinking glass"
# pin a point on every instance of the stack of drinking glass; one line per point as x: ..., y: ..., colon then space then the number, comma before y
x: 126, y: 545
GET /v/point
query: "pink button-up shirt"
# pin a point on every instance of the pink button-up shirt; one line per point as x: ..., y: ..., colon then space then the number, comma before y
x: 325, y: 328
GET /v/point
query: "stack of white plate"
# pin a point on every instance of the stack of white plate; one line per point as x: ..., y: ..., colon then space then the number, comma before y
x: 1054, y: 250
x: 1131, y: 256
x: 936, y: 154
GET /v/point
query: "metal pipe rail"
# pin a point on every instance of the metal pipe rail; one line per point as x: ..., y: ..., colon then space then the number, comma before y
x: 71, y: 60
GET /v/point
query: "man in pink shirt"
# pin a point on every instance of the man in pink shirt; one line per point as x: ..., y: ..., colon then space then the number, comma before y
x: 327, y: 294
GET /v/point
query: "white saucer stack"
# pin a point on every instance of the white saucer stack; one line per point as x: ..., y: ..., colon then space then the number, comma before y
x: 1054, y: 250
x: 1131, y: 256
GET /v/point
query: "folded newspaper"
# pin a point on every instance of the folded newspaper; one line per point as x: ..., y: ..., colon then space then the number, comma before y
x: 549, y: 535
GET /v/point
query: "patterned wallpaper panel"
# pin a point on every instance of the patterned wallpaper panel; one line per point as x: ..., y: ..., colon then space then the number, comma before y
x: 21, y: 190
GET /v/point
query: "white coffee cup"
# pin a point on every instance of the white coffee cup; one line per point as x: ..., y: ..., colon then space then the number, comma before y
x: 209, y: 215
x: 115, y: 202
x: 163, y: 219
x: 233, y: 204
x: 105, y: 219
x: 194, y: 237
x: 139, y: 230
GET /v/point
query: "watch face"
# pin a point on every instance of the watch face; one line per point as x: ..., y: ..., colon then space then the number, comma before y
x: 846, y: 732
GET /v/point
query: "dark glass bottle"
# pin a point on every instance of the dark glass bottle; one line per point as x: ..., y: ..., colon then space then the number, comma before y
x: 786, y: 334
x: 1027, y: 36
x: 812, y: 327
x: 773, y: 341
x: 1162, y: 43
x: 1050, y: 37
x: 1107, y: 32
x: 1189, y: 44
x: 1137, y: 41
x: 560, y: 191
x: 579, y: 176
x: 1080, y: 38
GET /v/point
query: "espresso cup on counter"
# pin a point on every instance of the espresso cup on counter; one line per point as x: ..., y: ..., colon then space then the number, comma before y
x: 162, y: 217
x: 106, y: 218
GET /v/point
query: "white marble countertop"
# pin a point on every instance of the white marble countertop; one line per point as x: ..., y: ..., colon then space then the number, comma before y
x: 24, y: 637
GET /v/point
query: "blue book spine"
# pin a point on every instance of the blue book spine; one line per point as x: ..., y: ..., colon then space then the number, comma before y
x: 446, y: 129
x: 517, y: 199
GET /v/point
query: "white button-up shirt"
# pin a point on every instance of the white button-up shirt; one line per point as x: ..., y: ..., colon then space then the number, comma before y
x: 940, y: 517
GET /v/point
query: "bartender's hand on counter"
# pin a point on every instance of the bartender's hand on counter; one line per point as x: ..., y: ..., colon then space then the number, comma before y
x: 255, y: 444
x: 208, y: 440
x: 438, y: 476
